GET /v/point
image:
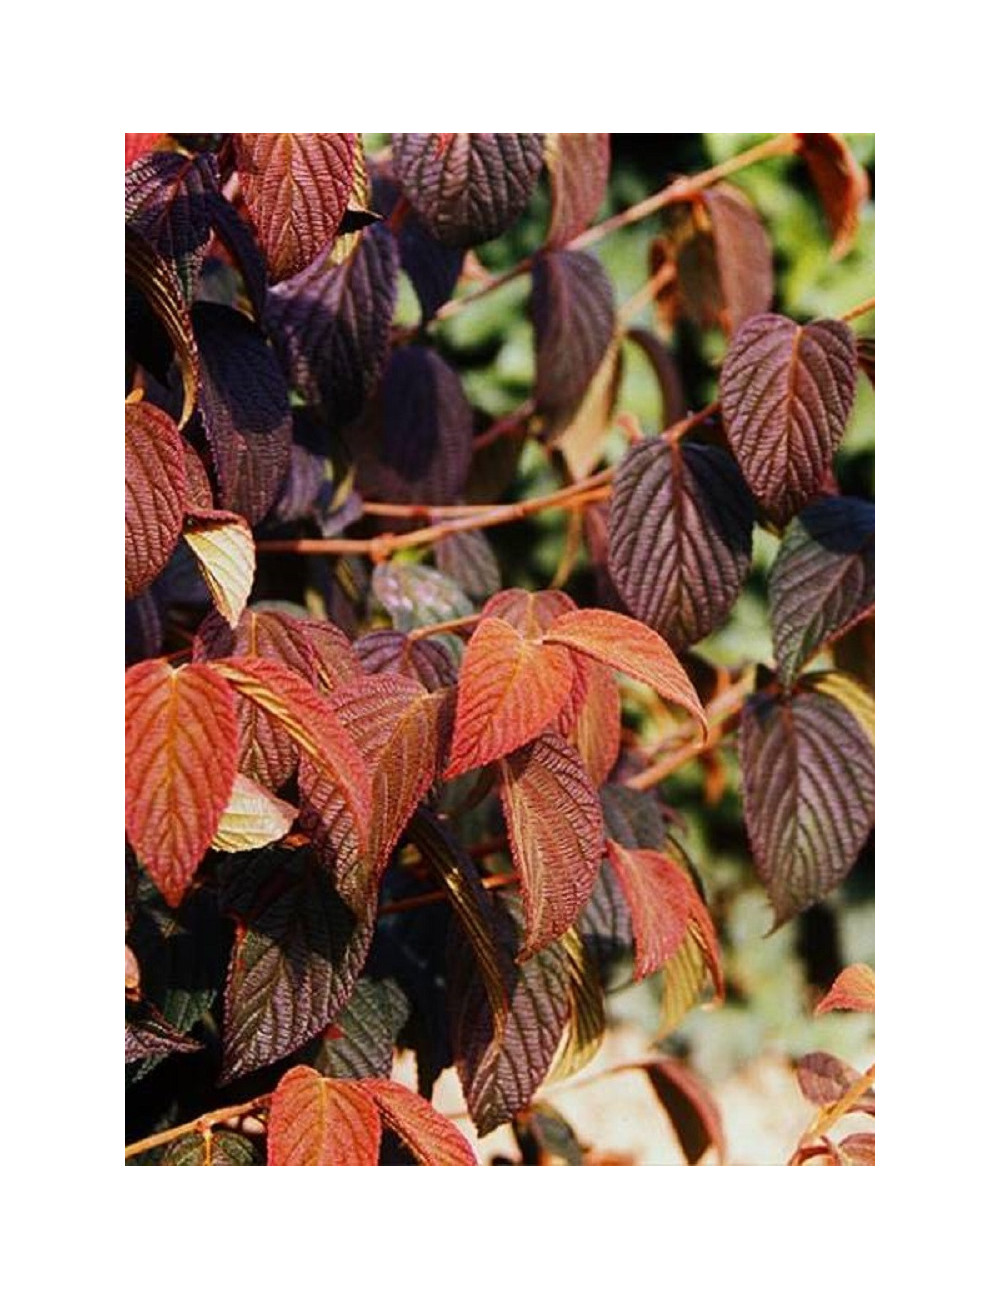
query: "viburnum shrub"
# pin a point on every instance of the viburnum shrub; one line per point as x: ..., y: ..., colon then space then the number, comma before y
x: 375, y: 798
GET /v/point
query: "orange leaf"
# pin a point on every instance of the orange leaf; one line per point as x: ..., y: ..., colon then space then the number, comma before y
x: 433, y: 1139
x: 509, y: 690
x: 318, y: 1121
x: 180, y: 765
x: 841, y: 182
x: 665, y: 908
x: 595, y: 729
x: 853, y: 990
x: 632, y: 648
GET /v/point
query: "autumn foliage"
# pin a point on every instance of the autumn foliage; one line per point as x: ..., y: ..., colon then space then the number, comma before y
x: 375, y: 798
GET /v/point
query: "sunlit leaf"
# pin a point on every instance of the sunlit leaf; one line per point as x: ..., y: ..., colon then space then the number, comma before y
x: 224, y: 548
x: 531, y: 612
x: 318, y: 1121
x: 252, y: 819
x: 433, y: 1139
x: 585, y: 1027
x: 858, y: 1149
x: 853, y: 990
x: 581, y: 443
x: 824, y: 1079
x: 154, y: 493
x: 595, y: 729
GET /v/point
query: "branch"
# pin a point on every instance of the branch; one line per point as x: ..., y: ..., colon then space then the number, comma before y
x: 862, y: 309
x: 200, y: 1125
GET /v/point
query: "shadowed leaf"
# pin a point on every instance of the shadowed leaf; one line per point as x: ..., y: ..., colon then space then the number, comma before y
x: 426, y: 661
x: 824, y: 1079
x: 470, y: 560
x: 585, y: 1027
x: 317, y: 1121
x: 168, y: 198
x: 137, y: 144
x: 414, y: 595
x: 578, y: 166
x: 155, y: 483
x: 213, y: 1146
x: 690, y: 1107
x: 433, y: 1139
x: 148, y: 1034
x: 432, y: 268
x: 595, y: 729
x: 155, y: 279
x: 361, y: 1043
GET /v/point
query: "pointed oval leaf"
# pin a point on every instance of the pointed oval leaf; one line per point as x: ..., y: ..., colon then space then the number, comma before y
x: 433, y: 1139
x: 665, y: 908
x: 155, y: 484
x: 842, y: 185
x: 297, y: 187
x: 573, y: 313
x: 680, y: 537
x: 631, y: 648
x: 155, y: 279
x: 556, y: 832
x: 168, y: 200
x: 509, y: 690
x: 180, y: 764
x: 786, y: 392
x: 360, y: 1043
x: 742, y: 256
x: 244, y: 407
x: 426, y: 661
x: 253, y: 818
x: 852, y: 990
x: 578, y: 166
x: 414, y: 595
x: 331, y: 325
x: 432, y: 269
x: 212, y: 1146
x: 824, y: 1079
x: 823, y: 579
x: 858, y: 1149
x: 467, y: 188
x: 531, y: 612
x: 223, y: 546
x: 690, y: 1107
x: 297, y: 954
x: 809, y: 794
x: 317, y: 1121
x: 415, y: 444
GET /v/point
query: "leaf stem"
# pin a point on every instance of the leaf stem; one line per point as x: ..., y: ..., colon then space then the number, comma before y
x: 862, y: 309
x: 200, y: 1125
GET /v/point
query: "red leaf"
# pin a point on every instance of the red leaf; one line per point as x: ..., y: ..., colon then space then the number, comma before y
x: 578, y: 168
x: 433, y: 1139
x: 691, y: 1108
x: 787, y: 392
x: 318, y: 1121
x: 138, y: 144
x: 853, y: 990
x: 665, y: 908
x: 631, y: 648
x: 595, y: 730
x: 742, y: 256
x: 531, y: 612
x: 154, y: 493
x: 841, y: 182
x: 509, y: 690
x: 180, y: 764
x: 425, y: 661
x: 556, y: 833
x: 297, y: 187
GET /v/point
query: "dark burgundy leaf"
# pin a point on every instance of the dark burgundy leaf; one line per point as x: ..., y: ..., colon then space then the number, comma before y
x: 786, y: 392
x: 690, y: 1107
x: 360, y: 1043
x: 148, y: 1033
x: 296, y: 957
x: 573, y: 312
x: 427, y: 661
x: 742, y: 256
x: 143, y: 628
x: 331, y: 325
x: 674, y: 406
x: 841, y: 182
x: 679, y: 537
x: 823, y: 579
x: 467, y: 188
x: 809, y: 792
x: 155, y: 484
x: 152, y: 286
x: 239, y: 240
x: 605, y: 924
x: 244, y: 408
x: 578, y: 168
x: 433, y: 269
x: 415, y: 442
x: 633, y: 817
x: 168, y: 200
x: 866, y: 355
x: 470, y: 560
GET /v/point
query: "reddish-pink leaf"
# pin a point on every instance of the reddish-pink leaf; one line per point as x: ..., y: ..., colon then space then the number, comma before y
x: 433, y: 1139
x: 154, y: 493
x: 841, y: 182
x: 665, y: 908
x: 531, y: 612
x: 509, y: 690
x: 824, y: 1079
x: 317, y: 1121
x: 333, y: 653
x: 595, y: 729
x: 297, y: 187
x: 631, y: 648
x: 853, y: 990
x: 691, y: 1108
x: 786, y: 392
x: 858, y: 1149
x: 578, y: 166
x: 138, y: 144
x: 426, y: 661
x: 180, y: 764
x: 556, y: 833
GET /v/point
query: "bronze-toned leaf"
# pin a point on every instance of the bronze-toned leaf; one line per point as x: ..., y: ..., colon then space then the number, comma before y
x: 578, y: 166
x: 155, y: 483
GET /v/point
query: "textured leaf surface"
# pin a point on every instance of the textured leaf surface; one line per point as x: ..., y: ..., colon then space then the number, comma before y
x: 317, y: 1121
x: 416, y: 443
x: 155, y: 279
x: 531, y: 612
x: 824, y: 1079
x: 581, y: 442
x: 680, y: 535
x: 690, y: 1107
x: 858, y: 1149
x: 509, y: 690
x: 180, y: 764
x: 414, y: 595
x: 252, y: 818
x: 223, y: 546
x: 470, y: 560
x: 822, y: 580
x: 586, y: 1024
x: 211, y: 1147
x: 267, y: 753
x: 665, y: 908
x: 433, y: 269
x: 809, y: 793
x: 595, y: 731
x: 556, y: 833
x: 139, y: 143
x: 742, y: 257
x: 154, y: 493
x: 853, y: 990
x: 433, y: 1139
x: 842, y: 185
x: 467, y: 188
x: 168, y: 198
x: 573, y: 312
x: 362, y: 1041
x: 297, y: 954
x: 297, y: 187
x: 149, y: 1034
x: 631, y: 648
x: 244, y: 408
x: 426, y: 661
x: 331, y: 325
x: 855, y: 698
x: 578, y: 167
x: 786, y: 392
x: 243, y: 248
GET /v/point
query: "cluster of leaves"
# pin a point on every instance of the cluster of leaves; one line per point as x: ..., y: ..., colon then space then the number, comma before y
x: 348, y: 828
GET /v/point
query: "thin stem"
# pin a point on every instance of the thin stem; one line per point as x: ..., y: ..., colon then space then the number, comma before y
x: 648, y: 292
x: 200, y: 1125
x: 862, y: 309
x: 499, y: 881
x: 452, y: 625
x: 829, y: 1115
